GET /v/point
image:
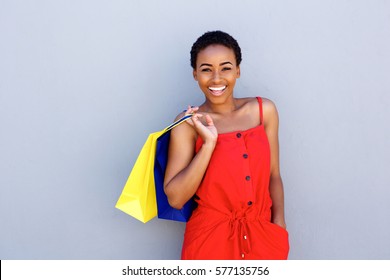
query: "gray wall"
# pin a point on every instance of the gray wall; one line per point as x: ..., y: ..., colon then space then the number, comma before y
x: 82, y: 83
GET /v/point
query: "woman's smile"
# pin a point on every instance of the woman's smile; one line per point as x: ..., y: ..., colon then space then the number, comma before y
x: 217, y: 90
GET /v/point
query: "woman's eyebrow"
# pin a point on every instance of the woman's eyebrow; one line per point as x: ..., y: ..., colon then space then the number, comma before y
x: 221, y: 64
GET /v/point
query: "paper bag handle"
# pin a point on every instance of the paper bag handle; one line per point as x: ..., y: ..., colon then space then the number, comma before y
x: 179, y: 121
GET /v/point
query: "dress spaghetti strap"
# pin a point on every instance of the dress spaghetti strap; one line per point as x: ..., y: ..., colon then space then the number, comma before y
x: 260, y: 108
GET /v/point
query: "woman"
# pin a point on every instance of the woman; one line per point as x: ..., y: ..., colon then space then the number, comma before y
x: 227, y: 157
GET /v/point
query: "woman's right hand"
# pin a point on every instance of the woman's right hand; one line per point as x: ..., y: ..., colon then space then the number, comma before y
x: 208, y: 132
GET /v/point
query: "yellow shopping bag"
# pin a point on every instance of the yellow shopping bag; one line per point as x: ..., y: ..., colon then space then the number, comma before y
x: 138, y: 198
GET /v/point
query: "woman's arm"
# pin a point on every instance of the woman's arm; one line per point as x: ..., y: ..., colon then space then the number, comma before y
x: 271, y: 124
x: 185, y: 169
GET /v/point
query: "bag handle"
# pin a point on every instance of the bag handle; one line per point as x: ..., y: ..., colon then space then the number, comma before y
x: 179, y: 121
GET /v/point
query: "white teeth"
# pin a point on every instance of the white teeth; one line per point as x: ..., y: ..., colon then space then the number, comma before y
x: 217, y: 88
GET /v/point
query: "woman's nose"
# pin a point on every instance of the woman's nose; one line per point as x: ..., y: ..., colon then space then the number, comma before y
x: 216, y: 76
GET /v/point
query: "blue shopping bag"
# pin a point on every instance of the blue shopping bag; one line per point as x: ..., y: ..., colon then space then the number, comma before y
x: 164, y: 210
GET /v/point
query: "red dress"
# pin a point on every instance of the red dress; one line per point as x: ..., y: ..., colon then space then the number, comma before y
x: 232, y: 220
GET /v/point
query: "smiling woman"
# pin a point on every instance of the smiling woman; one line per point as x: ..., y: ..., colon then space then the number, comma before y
x: 227, y: 158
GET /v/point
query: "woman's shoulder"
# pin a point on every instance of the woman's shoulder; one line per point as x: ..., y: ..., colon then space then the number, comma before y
x: 267, y: 101
x: 184, y: 130
x: 247, y: 103
x: 253, y: 102
x: 179, y: 116
x: 270, y: 112
x: 268, y: 105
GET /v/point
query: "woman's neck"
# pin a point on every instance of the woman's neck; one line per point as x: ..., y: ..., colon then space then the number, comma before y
x: 225, y: 108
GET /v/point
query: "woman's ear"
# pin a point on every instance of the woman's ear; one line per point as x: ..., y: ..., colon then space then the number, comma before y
x: 238, y: 72
x: 194, y: 74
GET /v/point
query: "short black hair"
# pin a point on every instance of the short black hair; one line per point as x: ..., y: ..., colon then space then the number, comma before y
x: 215, y: 38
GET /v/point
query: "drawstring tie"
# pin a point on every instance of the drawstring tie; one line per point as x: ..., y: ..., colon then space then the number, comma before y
x: 239, y: 224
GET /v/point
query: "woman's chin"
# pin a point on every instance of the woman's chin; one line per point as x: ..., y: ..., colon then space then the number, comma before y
x: 217, y: 93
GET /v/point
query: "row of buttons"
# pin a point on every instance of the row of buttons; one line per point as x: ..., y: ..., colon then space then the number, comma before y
x: 247, y: 178
x: 245, y: 156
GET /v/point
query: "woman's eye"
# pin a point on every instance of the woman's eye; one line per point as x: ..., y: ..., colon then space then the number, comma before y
x: 206, y: 70
x: 226, y: 69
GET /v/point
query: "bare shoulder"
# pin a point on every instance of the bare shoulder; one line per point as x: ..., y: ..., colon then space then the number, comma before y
x: 251, y: 103
x: 269, y: 106
x: 245, y: 101
x: 179, y: 116
x: 248, y: 104
x: 183, y: 131
x: 270, y: 112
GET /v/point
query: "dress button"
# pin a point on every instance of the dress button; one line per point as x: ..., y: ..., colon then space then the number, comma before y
x: 245, y: 155
x: 238, y: 135
x: 250, y: 203
x: 247, y: 178
x: 242, y: 256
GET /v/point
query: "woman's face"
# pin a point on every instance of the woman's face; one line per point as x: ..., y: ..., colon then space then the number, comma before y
x: 216, y: 72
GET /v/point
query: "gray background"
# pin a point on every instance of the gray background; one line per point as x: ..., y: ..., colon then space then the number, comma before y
x: 82, y: 84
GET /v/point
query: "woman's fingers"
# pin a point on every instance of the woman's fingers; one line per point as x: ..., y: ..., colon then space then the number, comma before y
x: 195, y: 119
x: 205, y: 129
x: 209, y: 120
x: 191, y: 110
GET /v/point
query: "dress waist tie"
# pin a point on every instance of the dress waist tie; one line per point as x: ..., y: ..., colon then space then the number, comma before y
x: 239, y: 220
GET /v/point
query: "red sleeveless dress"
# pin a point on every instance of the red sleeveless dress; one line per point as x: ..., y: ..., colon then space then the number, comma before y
x: 232, y: 220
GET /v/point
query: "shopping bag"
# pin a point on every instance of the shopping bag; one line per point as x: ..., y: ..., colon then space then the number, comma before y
x: 164, y: 210
x: 138, y: 198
